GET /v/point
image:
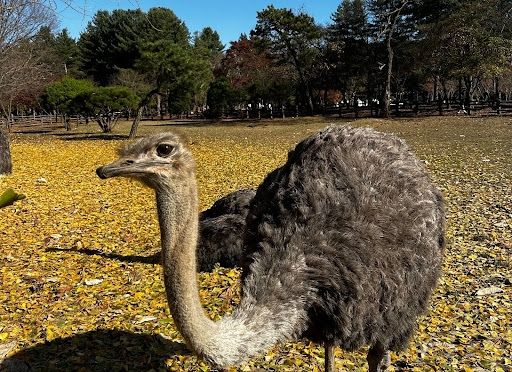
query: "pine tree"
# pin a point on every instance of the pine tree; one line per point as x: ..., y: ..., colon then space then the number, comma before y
x: 348, y: 38
x: 291, y: 38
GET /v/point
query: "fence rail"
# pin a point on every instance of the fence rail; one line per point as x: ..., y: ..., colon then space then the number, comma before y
x: 403, y: 109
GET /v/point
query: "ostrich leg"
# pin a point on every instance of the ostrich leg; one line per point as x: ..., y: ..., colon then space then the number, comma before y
x: 378, y: 358
x: 329, y: 356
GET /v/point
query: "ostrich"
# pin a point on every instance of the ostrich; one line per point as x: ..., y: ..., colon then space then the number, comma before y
x: 221, y: 231
x: 343, y: 246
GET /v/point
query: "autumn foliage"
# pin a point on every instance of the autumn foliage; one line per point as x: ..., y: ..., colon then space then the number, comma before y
x: 80, y: 281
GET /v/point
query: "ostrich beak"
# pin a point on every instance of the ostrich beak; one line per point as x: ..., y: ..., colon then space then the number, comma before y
x: 121, y: 167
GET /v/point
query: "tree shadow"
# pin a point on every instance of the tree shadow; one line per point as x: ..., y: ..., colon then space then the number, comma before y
x: 99, y: 350
x: 153, y: 259
x: 90, y: 136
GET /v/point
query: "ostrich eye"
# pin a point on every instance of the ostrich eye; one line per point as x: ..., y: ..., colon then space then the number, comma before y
x: 164, y: 150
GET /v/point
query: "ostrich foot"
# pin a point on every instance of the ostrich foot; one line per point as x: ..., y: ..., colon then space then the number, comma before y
x: 378, y: 358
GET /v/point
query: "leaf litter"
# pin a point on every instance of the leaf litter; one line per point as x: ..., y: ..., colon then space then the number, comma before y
x: 80, y: 288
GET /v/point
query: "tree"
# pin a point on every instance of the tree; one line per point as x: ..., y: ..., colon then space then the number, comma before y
x: 254, y: 77
x: 208, y: 43
x: 291, y: 38
x: 105, y: 104
x: 5, y: 153
x: 471, y: 43
x: 113, y: 41
x: 348, y: 46
x: 174, y: 69
x: 387, y: 15
x: 60, y: 96
x: 244, y: 63
x: 109, y: 43
x: 22, y: 68
x: 67, y: 51
x: 220, y: 98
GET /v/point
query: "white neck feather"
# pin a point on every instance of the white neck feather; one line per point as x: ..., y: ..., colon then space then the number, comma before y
x: 251, y: 329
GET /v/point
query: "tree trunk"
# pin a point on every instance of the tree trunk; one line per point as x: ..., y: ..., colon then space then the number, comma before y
x: 387, y: 91
x: 392, y: 19
x: 445, y: 94
x: 136, y: 121
x: 159, y: 107
x: 497, y: 94
x: 140, y: 110
x: 468, y: 82
x: 5, y: 153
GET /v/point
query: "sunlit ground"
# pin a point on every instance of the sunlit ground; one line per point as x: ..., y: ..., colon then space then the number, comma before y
x: 77, y: 291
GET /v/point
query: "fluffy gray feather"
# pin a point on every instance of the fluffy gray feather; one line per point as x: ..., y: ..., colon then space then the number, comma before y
x: 221, y: 231
x: 353, y: 222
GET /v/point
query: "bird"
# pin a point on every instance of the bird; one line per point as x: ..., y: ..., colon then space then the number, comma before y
x: 221, y: 231
x: 343, y: 246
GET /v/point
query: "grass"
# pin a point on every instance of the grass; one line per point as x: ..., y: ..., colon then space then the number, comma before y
x: 73, y: 228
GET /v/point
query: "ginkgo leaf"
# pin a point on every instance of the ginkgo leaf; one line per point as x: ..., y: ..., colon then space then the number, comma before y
x: 75, y: 229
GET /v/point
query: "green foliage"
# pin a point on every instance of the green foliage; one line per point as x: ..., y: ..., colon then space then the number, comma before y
x: 208, y: 40
x: 110, y: 42
x: 105, y: 104
x: 291, y: 38
x: 67, y: 51
x: 175, y: 69
x: 118, y: 37
x: 468, y: 43
x: 60, y: 95
x: 348, y: 48
x: 59, y: 51
x: 220, y: 98
x: 207, y: 44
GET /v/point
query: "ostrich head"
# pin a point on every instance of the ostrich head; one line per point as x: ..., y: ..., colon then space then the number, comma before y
x: 157, y: 160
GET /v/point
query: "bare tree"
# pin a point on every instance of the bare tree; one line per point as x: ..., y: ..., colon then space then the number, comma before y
x: 21, y: 67
x: 387, y: 13
x: 21, y: 70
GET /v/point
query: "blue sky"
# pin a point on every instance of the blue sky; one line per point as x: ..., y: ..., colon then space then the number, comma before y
x: 229, y: 18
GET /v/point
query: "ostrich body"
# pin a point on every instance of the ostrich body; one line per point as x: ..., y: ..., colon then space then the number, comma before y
x: 221, y: 230
x: 344, y: 245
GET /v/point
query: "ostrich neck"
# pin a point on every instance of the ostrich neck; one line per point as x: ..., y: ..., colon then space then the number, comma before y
x: 178, y: 219
x: 252, y: 328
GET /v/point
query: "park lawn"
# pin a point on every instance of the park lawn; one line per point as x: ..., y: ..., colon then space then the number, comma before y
x: 78, y: 287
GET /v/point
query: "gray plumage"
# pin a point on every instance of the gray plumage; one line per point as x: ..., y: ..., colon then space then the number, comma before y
x: 357, y: 210
x: 221, y: 231
x: 343, y: 245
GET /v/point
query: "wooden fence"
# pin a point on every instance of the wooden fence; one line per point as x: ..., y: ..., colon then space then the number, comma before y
x: 34, y: 123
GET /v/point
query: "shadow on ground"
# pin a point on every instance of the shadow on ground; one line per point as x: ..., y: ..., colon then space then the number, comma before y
x: 90, y: 136
x: 100, y: 350
x: 152, y: 259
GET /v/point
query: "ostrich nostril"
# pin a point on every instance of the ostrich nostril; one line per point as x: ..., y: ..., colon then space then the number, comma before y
x: 128, y: 162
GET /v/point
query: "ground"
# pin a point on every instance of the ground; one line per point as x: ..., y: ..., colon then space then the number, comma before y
x: 81, y: 288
